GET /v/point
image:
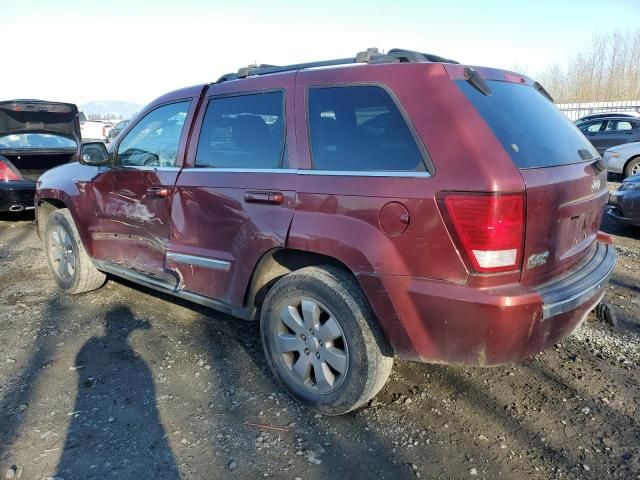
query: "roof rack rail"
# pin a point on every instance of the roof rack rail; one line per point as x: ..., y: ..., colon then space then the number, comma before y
x: 370, y: 55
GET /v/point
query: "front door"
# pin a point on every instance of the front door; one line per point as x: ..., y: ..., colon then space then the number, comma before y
x: 133, y: 197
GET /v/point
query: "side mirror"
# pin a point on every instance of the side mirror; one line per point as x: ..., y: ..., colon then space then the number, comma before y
x: 94, y: 153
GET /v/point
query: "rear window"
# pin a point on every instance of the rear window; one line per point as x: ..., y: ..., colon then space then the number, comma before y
x: 35, y: 141
x: 531, y: 129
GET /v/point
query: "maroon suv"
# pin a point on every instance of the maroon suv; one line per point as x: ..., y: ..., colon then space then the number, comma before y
x: 388, y: 204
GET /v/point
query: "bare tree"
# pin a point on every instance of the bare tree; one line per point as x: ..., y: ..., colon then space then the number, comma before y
x: 608, y: 70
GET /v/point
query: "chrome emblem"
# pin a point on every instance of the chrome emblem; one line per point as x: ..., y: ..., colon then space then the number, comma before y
x: 537, y: 259
x: 595, y: 185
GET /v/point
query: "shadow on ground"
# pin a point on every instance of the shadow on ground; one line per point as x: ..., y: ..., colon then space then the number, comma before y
x: 116, y: 428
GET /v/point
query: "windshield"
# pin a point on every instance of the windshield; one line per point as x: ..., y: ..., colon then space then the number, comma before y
x: 531, y: 129
x: 35, y: 141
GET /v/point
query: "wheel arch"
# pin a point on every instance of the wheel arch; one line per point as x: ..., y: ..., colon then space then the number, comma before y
x: 44, y: 208
x: 55, y: 200
x: 275, y: 264
x: 629, y: 160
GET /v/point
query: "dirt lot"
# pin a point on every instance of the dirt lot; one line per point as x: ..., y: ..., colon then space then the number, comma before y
x: 127, y: 383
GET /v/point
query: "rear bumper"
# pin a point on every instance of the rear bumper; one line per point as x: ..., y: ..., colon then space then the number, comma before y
x: 614, y: 164
x: 442, y: 322
x: 17, y: 196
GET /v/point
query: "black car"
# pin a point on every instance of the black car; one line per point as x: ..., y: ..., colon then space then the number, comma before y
x: 35, y: 136
x: 605, y: 115
x: 624, y: 203
x: 608, y: 132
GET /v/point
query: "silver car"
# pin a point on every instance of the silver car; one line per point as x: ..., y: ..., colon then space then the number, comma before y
x: 623, y: 159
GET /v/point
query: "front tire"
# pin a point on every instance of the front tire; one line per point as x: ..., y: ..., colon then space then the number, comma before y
x: 70, y: 265
x: 322, y: 342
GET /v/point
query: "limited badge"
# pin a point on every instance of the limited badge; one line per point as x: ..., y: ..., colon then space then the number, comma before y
x: 537, y: 259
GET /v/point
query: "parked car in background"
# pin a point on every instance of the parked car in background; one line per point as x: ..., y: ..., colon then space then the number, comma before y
x: 623, y: 159
x: 118, y: 127
x: 354, y: 223
x: 608, y: 132
x: 605, y: 115
x: 93, y: 130
x: 624, y: 203
x: 35, y: 136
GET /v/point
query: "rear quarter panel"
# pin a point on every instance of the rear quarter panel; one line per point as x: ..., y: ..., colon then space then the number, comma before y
x: 338, y: 215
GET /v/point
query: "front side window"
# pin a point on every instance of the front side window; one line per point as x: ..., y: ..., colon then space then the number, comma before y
x: 360, y: 128
x: 592, y: 127
x: 155, y: 139
x: 244, y: 131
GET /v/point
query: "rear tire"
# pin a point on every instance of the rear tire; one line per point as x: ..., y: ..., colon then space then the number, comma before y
x: 632, y: 168
x: 70, y: 265
x: 322, y: 342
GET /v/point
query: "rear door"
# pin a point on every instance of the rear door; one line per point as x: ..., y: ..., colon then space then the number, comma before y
x: 566, y: 184
x: 235, y: 199
x: 133, y: 196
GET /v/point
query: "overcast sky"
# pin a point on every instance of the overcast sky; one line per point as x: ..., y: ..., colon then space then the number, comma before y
x: 82, y: 50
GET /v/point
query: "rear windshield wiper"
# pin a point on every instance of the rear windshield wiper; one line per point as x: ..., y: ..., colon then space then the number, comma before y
x: 476, y: 81
x: 543, y: 91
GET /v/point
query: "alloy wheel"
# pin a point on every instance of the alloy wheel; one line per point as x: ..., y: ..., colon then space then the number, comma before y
x: 63, y: 258
x: 311, y: 345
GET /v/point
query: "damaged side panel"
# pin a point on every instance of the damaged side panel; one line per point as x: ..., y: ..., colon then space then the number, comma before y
x: 131, y: 226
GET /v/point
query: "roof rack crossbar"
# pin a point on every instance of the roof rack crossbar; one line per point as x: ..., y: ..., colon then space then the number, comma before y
x: 371, y: 55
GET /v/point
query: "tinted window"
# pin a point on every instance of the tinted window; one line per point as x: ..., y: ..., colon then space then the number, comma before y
x: 531, y: 129
x: 619, y: 125
x: 592, y: 127
x: 154, y: 140
x: 35, y: 141
x: 244, y: 131
x: 360, y: 128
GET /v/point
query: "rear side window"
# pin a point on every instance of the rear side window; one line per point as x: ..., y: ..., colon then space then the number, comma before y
x: 615, y: 125
x: 245, y: 131
x: 531, y: 129
x: 360, y: 128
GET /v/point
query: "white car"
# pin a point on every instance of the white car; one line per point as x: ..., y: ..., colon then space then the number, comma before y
x: 623, y: 159
x: 93, y: 131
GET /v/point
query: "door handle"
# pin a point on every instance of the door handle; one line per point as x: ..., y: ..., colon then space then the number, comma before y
x: 275, y: 198
x: 161, y: 192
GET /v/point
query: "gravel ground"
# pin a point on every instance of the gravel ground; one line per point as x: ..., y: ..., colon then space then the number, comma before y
x: 127, y: 383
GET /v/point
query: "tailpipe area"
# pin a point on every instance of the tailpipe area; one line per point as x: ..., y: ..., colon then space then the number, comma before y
x: 16, y: 208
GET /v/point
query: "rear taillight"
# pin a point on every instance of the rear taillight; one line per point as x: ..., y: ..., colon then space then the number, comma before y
x: 490, y: 229
x: 6, y: 173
